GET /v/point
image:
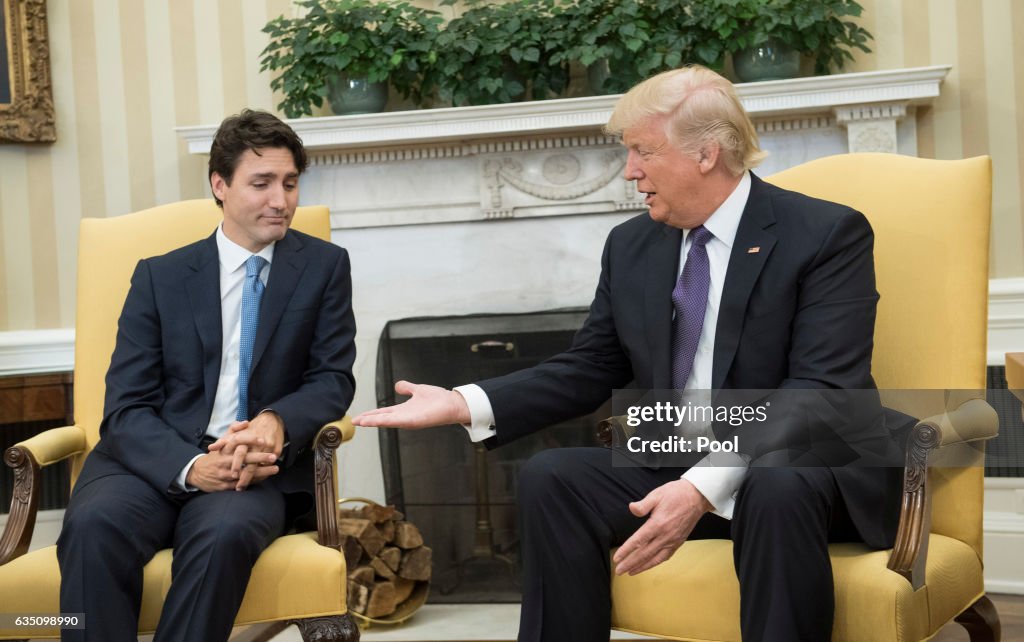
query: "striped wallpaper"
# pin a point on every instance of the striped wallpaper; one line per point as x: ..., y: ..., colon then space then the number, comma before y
x: 126, y: 72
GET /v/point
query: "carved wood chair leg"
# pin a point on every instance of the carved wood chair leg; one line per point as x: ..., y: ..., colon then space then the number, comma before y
x: 981, y: 621
x: 337, y: 628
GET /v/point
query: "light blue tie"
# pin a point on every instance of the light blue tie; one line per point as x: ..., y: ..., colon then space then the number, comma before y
x: 252, y: 293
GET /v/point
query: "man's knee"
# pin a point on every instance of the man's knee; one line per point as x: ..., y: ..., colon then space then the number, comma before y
x: 783, y: 491
x: 103, y: 537
x: 547, y: 472
x: 230, y: 526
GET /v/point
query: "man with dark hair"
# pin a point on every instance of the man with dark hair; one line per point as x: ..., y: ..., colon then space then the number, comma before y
x: 209, y: 417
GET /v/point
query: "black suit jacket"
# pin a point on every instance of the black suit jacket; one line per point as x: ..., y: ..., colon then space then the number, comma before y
x: 165, y: 367
x: 796, y: 313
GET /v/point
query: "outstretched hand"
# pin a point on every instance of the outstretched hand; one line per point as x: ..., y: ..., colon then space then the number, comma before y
x: 428, y: 406
x: 674, y: 509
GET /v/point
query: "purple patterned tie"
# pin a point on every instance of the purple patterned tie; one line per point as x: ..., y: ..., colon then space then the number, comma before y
x: 690, y: 299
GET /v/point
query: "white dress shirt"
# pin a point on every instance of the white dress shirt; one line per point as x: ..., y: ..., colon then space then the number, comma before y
x: 232, y: 258
x: 717, y: 477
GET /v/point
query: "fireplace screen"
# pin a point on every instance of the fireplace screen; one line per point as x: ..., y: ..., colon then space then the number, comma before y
x: 461, y: 495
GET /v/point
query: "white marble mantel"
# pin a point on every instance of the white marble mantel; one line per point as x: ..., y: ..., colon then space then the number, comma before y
x: 505, y: 208
x: 818, y: 94
x: 550, y: 158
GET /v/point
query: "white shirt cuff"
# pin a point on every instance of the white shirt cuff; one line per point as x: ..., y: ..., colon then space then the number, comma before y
x: 180, y: 483
x: 480, y: 412
x: 718, y: 478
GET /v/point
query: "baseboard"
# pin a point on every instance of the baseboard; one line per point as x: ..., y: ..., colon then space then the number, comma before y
x: 1004, y: 535
x: 48, y: 524
x: 1006, y: 587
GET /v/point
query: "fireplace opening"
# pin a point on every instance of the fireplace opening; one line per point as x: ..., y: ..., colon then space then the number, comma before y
x: 460, y: 495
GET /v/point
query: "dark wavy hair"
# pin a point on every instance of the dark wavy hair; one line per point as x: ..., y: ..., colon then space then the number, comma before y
x: 253, y: 130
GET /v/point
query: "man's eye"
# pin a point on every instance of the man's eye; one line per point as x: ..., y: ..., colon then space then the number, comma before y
x: 259, y: 185
x: 290, y: 186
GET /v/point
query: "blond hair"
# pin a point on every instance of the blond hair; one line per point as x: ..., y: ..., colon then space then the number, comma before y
x: 701, y: 107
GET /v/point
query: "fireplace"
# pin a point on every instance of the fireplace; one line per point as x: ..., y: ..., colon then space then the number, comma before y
x: 461, y: 495
x: 506, y: 208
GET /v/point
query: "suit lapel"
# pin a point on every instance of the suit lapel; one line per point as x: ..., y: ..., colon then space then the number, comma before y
x: 288, y: 266
x: 742, y: 274
x: 662, y: 268
x: 203, y: 287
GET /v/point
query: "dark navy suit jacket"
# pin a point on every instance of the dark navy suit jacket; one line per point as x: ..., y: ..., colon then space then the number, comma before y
x: 797, y: 313
x: 166, y: 363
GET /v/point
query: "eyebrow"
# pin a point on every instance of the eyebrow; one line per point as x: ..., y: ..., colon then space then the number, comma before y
x: 266, y: 175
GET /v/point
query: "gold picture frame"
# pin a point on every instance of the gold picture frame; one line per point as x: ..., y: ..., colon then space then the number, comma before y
x: 26, y: 94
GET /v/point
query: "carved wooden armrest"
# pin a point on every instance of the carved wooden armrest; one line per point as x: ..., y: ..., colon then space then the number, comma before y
x: 28, y: 458
x: 330, y: 437
x: 973, y: 420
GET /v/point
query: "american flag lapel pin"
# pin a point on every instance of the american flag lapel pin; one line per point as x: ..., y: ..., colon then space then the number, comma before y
x: 754, y: 250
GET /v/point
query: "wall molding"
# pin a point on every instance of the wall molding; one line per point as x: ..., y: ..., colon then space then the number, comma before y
x: 1005, y: 319
x: 38, y: 351
x: 25, y: 352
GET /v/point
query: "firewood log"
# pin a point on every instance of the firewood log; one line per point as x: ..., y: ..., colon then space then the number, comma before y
x: 381, y: 568
x: 358, y: 597
x: 392, y: 556
x: 407, y: 536
x: 382, y: 600
x: 364, y: 531
x: 416, y: 564
x: 353, y: 551
x: 403, y: 589
x: 364, y: 575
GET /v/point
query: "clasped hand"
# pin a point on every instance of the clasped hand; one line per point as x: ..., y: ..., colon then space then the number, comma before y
x: 245, y: 455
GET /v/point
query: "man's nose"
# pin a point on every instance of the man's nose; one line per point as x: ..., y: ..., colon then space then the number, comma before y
x: 276, y: 198
x: 631, y: 172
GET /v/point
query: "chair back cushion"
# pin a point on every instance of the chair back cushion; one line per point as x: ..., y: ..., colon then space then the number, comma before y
x: 108, y: 251
x: 931, y: 221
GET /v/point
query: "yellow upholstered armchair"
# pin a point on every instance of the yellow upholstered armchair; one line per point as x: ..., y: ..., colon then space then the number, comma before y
x: 931, y: 223
x: 299, y: 578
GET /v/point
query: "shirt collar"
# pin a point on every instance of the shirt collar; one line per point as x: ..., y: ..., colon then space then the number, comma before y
x: 233, y: 256
x: 724, y: 222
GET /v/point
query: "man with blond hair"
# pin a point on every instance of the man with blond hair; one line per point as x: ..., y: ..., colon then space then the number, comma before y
x: 726, y: 282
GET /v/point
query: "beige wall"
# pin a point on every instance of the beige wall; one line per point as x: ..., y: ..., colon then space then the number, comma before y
x: 126, y: 72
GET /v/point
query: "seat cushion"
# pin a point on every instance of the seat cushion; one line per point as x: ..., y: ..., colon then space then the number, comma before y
x: 294, y: 578
x: 695, y: 595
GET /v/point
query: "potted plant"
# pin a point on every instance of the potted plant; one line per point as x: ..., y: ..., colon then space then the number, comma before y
x: 496, y: 53
x: 621, y: 42
x: 767, y: 37
x: 359, y: 45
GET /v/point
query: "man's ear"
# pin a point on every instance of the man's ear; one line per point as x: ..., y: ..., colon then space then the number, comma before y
x: 218, y: 185
x: 708, y: 157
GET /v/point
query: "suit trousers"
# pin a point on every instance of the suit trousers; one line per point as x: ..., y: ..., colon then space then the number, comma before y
x: 573, y: 508
x: 115, y: 524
